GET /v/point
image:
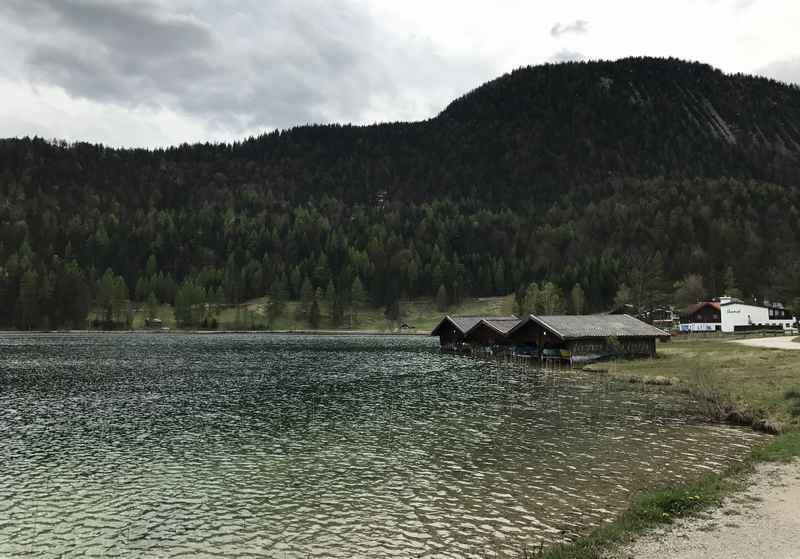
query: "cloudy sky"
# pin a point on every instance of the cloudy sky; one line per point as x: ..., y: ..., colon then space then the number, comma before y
x: 157, y: 72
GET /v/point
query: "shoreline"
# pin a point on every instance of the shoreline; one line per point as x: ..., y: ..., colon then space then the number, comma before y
x: 762, y: 519
x: 657, y: 509
x: 225, y: 332
x: 661, y: 507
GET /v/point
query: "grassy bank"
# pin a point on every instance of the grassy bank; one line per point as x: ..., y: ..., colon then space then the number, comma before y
x: 744, y: 384
x: 421, y: 314
x: 664, y: 505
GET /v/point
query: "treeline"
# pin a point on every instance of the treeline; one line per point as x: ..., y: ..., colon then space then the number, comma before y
x: 600, y: 238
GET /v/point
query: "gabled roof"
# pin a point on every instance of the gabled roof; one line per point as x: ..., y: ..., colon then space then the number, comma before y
x: 464, y: 324
x: 460, y: 323
x: 697, y: 306
x: 501, y: 324
x: 594, y: 326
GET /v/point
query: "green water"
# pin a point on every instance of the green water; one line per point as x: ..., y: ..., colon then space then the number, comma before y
x: 136, y: 445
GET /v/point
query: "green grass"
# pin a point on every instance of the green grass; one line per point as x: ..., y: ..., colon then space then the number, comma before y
x: 662, y: 506
x: 749, y: 382
x: 418, y: 313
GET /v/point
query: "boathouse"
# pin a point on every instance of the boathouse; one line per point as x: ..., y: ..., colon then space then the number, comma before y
x: 491, y: 331
x: 452, y: 330
x: 586, y: 337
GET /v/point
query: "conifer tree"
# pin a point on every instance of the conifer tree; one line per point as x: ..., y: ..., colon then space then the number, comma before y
x: 314, y: 313
x: 730, y: 287
x: 358, y: 297
x: 28, y: 301
x: 441, y: 299
x: 330, y: 301
x: 277, y: 300
x: 151, y: 306
x: 306, y: 298
x: 577, y: 299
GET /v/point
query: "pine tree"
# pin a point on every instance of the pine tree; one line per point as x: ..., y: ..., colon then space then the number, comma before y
x: 151, y: 306
x: 306, y: 298
x: 578, y: 299
x: 552, y: 299
x: 313, y: 313
x: 105, y: 295
x: 152, y: 266
x: 731, y: 290
x: 533, y: 300
x: 358, y: 297
x: 393, y: 312
x: 330, y: 301
x: 277, y: 300
x: 689, y: 290
x: 190, y: 304
x: 73, y: 297
x: 28, y: 301
x: 441, y: 299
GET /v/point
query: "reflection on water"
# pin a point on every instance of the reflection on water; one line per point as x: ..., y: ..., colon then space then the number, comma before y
x: 298, y: 446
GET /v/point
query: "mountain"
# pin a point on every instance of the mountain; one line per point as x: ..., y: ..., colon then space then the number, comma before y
x: 585, y: 172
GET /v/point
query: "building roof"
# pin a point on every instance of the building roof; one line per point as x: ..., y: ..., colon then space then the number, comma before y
x: 464, y: 324
x: 501, y: 324
x: 691, y: 309
x: 594, y: 326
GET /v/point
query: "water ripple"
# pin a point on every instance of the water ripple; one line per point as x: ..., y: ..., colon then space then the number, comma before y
x: 118, y: 445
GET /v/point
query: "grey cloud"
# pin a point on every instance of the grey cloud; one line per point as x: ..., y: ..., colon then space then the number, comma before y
x: 132, y: 27
x: 566, y: 56
x: 784, y: 70
x: 259, y: 65
x: 577, y: 27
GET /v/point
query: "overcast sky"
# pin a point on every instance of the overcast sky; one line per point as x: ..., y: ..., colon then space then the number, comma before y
x: 154, y: 73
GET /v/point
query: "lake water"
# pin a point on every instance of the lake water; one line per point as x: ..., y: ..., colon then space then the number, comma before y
x: 151, y: 445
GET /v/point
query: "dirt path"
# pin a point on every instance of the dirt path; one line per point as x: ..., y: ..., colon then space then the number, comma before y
x: 763, y: 521
x: 782, y: 342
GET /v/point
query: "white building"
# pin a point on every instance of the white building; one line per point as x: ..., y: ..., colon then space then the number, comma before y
x: 726, y: 314
x: 737, y: 313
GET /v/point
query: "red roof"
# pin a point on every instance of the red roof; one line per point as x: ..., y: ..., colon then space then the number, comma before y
x: 697, y: 306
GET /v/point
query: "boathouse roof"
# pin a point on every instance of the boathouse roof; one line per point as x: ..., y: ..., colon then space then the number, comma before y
x: 501, y: 325
x: 594, y: 326
x: 464, y: 324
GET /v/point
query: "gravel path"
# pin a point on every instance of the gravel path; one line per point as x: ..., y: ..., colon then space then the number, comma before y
x: 762, y: 522
x: 782, y: 342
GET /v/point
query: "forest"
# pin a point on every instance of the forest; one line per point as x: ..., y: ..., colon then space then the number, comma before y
x: 642, y: 181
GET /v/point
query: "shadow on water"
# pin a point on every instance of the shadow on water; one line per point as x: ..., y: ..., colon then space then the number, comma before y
x: 119, y: 444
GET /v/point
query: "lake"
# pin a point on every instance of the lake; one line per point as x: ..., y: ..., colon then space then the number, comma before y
x: 252, y: 445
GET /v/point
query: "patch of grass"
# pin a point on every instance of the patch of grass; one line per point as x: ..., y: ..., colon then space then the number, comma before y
x: 662, y: 506
x: 420, y: 313
x: 733, y: 381
x: 784, y: 448
x: 793, y: 395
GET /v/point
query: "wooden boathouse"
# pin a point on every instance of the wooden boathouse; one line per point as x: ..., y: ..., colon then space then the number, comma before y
x: 453, y: 330
x: 490, y: 332
x: 573, y: 338
x: 587, y: 337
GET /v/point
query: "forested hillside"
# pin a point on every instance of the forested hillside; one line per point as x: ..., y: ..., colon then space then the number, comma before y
x: 621, y: 177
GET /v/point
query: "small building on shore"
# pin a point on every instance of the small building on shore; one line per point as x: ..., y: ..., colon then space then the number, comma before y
x: 728, y: 314
x: 586, y: 337
x: 704, y: 316
x: 452, y: 330
x: 561, y: 337
x: 491, y: 331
